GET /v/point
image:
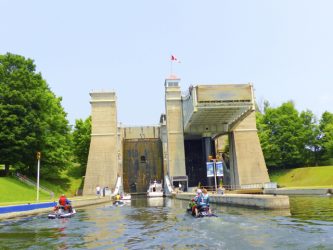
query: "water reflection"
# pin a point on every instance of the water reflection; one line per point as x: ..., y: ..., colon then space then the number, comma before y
x: 312, y: 207
x: 155, y: 202
x: 164, y: 224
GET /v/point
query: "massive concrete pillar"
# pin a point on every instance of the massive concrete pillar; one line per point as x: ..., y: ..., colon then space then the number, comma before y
x: 207, y: 143
x: 164, y: 139
x: 102, y: 168
x: 175, y: 134
x: 247, y: 164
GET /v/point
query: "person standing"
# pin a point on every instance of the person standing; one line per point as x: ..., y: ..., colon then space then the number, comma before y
x: 98, y: 190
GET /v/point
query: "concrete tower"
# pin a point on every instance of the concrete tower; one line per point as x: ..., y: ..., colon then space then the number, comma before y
x: 102, y: 167
x: 246, y: 157
x: 175, y: 132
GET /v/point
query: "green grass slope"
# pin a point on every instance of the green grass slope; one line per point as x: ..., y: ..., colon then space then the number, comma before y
x: 13, y: 191
x: 306, y: 177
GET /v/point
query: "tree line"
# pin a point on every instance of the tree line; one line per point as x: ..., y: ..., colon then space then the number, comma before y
x: 33, y: 120
x: 292, y: 139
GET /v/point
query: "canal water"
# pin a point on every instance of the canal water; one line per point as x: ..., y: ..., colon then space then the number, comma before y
x: 163, y: 224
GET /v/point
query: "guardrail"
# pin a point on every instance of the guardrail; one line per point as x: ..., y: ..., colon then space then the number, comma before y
x: 266, y: 185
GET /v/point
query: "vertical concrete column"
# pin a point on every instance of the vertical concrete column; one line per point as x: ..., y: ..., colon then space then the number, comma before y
x: 174, y: 125
x: 120, y: 146
x: 102, y: 167
x: 208, y: 147
x: 246, y: 158
x: 163, y: 137
x: 234, y: 178
x: 208, y: 152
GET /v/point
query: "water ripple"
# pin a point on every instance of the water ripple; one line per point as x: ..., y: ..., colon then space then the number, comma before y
x: 165, y: 225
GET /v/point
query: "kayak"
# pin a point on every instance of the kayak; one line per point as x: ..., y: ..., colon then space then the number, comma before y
x: 61, y: 213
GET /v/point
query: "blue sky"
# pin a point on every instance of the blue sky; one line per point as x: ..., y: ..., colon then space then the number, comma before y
x: 285, y: 48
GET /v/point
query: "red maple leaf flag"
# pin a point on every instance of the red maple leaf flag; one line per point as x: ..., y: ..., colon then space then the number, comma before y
x: 174, y: 59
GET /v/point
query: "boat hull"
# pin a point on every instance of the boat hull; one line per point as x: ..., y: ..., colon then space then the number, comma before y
x: 155, y: 189
x: 62, y: 214
x: 155, y: 194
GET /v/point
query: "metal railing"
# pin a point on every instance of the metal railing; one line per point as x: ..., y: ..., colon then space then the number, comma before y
x: 254, y: 186
x: 30, y: 182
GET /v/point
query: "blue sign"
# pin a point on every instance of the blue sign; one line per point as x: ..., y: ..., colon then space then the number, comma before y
x: 210, y: 169
x: 219, y: 168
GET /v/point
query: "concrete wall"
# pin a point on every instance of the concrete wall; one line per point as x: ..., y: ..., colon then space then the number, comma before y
x: 246, y: 200
x: 141, y: 132
x: 247, y: 161
x: 300, y: 191
x: 102, y: 168
x: 174, y: 124
x: 224, y: 92
x: 164, y: 139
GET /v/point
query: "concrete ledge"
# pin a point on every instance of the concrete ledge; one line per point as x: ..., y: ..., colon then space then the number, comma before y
x: 76, y: 202
x: 86, y: 201
x: 247, y: 200
x: 304, y: 191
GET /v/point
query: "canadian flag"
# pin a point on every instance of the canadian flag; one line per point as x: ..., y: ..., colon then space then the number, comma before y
x: 174, y: 58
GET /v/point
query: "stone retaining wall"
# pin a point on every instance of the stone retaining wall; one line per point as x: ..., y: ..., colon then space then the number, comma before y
x: 247, y: 200
x: 307, y: 191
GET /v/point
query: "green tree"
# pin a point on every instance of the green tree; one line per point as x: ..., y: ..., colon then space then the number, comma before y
x: 310, y: 139
x: 32, y: 119
x: 326, y: 130
x: 81, y: 142
x: 280, y: 130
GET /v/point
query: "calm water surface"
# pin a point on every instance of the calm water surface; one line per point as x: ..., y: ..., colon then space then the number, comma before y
x: 163, y: 224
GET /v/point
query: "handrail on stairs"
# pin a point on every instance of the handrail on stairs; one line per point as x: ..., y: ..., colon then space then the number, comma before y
x: 30, y: 182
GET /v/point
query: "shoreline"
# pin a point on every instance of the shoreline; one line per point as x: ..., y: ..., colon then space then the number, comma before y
x: 272, y: 199
x: 43, y: 207
x: 299, y: 191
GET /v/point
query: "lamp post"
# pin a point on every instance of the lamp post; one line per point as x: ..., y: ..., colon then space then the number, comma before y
x: 38, y: 167
x: 211, y: 159
x: 214, y: 160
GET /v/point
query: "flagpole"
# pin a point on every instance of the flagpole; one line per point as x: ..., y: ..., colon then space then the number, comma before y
x: 170, y: 67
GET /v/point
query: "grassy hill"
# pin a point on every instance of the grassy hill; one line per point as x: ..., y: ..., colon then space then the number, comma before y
x: 304, y: 177
x: 12, y: 191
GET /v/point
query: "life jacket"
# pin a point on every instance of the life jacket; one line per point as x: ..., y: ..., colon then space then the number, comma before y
x: 198, y: 199
x: 62, y: 200
x: 206, y: 199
